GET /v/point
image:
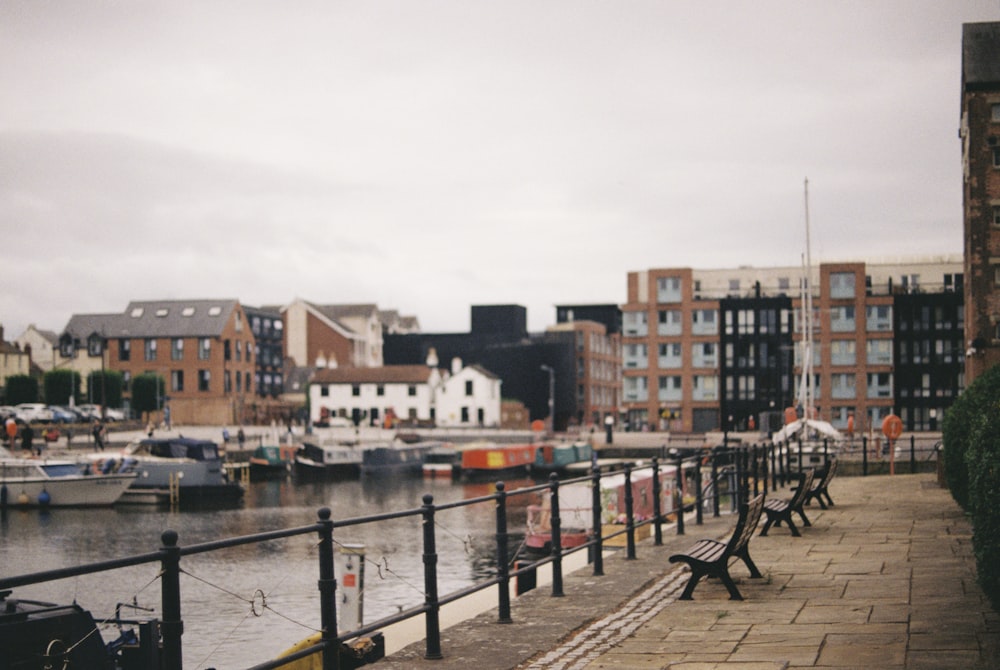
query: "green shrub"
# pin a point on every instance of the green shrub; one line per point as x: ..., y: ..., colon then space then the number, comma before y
x: 975, y: 402
x: 982, y: 459
x: 21, y: 388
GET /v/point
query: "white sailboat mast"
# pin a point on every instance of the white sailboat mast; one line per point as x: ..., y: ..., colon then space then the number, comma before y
x: 808, y: 306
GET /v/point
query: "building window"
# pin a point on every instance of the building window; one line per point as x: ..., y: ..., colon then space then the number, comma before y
x: 668, y: 289
x: 996, y: 275
x: 124, y: 349
x: 204, y: 349
x: 468, y: 387
x: 177, y: 349
x: 204, y: 377
x: 669, y: 322
x: 324, y: 390
x: 996, y: 156
x: 842, y: 319
x: 380, y: 390
x: 411, y: 390
x: 842, y: 352
x: 995, y: 210
x: 227, y: 382
x: 841, y: 285
x: 176, y: 380
x: 634, y: 323
x: 704, y: 322
x: 635, y: 356
x: 150, y: 349
x: 995, y: 113
x: 227, y: 353
x: 127, y: 381
x: 355, y: 390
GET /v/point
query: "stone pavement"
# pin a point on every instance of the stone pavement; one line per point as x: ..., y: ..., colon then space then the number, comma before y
x: 884, y: 579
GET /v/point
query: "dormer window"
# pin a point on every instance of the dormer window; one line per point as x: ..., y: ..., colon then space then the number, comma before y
x: 137, y: 312
x: 214, y: 311
x: 187, y: 311
x: 162, y: 312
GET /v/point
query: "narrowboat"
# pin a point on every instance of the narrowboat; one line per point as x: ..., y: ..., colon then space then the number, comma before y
x: 272, y: 460
x: 490, y: 459
x: 395, y: 458
x: 559, y: 457
x: 328, y: 460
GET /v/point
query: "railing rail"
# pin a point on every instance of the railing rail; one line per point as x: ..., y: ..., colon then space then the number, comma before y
x: 733, y: 472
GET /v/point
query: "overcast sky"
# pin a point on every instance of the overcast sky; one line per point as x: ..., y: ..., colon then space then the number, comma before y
x: 428, y: 156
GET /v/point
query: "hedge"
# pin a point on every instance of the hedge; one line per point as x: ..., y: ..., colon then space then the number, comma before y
x: 977, y: 401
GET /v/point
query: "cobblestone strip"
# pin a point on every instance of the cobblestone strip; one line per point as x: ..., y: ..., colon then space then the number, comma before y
x: 594, y: 640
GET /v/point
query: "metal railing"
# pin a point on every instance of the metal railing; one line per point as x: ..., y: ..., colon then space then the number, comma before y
x: 734, y: 474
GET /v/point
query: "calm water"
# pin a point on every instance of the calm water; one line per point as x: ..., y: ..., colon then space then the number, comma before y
x: 220, y: 628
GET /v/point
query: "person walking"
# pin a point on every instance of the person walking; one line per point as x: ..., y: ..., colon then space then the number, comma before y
x: 98, y: 432
x: 241, y: 437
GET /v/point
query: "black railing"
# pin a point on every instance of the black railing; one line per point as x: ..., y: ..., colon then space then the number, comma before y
x: 735, y: 472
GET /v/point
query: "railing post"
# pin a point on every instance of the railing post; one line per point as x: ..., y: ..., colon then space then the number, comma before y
x: 555, y: 524
x: 864, y: 455
x: 699, y: 496
x: 800, y: 455
x: 503, y: 560
x: 679, y: 495
x: 173, y: 626
x: 755, y: 468
x: 913, y: 454
x: 773, y: 449
x: 432, y: 623
x: 657, y: 508
x: 629, y: 516
x: 715, y: 483
x: 327, y: 592
x: 596, y: 516
x: 764, y: 470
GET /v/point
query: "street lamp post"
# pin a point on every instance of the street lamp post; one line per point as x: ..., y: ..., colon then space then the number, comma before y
x: 552, y: 397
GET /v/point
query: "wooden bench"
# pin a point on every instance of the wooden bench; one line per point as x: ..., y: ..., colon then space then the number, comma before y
x: 710, y: 558
x: 820, y: 488
x: 781, y: 510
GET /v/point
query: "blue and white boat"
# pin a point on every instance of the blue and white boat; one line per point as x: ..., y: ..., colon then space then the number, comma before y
x: 46, y: 482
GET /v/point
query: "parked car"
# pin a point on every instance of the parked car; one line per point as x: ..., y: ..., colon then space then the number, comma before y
x: 63, y: 415
x: 31, y: 412
x: 7, y: 411
x: 95, y: 412
x: 78, y: 416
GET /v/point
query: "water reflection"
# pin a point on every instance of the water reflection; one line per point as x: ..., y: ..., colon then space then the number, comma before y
x: 220, y: 628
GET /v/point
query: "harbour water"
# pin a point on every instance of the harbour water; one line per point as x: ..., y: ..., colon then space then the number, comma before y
x: 244, y: 605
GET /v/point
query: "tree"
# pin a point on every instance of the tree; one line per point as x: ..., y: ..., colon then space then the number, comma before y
x: 60, y: 386
x: 104, y: 387
x: 147, y: 393
x: 21, y: 388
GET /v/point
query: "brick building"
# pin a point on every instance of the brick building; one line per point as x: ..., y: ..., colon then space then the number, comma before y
x: 980, y: 136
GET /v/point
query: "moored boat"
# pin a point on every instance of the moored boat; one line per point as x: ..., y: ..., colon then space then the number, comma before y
x: 30, y: 482
x: 272, y: 460
x: 187, y: 470
x: 559, y: 457
x: 491, y: 459
x: 387, y: 458
x: 328, y: 460
x: 443, y: 462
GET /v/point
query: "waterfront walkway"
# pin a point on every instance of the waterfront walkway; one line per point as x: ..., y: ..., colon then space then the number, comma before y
x: 884, y: 579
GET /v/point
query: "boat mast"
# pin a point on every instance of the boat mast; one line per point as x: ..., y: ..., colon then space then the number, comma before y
x: 808, y: 363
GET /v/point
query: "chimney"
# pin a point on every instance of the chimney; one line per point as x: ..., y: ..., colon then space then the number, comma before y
x: 456, y: 365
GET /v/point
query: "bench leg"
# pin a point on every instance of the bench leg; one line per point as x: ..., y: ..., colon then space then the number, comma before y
x: 734, y: 593
x: 689, y: 587
x: 751, y: 566
x: 829, y: 500
x: 805, y: 519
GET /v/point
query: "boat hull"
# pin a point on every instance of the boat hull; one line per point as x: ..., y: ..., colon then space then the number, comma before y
x: 495, y: 460
x: 74, y: 491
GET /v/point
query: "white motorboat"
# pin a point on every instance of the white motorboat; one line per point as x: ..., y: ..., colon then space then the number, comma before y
x: 46, y: 482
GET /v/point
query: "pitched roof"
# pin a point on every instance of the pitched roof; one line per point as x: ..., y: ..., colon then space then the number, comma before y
x: 388, y: 374
x: 157, y: 318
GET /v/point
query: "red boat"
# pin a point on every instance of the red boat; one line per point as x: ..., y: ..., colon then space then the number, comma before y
x: 491, y: 459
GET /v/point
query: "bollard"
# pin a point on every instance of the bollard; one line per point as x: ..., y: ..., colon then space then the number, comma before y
x: 556, y: 523
x: 432, y: 625
x: 595, y: 515
x: 172, y: 626
x: 503, y: 560
x: 327, y: 592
